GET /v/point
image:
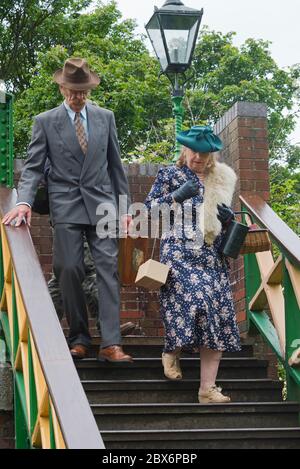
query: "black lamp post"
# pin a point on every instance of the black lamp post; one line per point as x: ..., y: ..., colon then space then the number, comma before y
x: 173, y: 31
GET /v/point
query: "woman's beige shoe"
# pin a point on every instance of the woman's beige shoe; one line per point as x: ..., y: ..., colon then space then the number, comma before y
x: 213, y: 395
x: 171, y: 364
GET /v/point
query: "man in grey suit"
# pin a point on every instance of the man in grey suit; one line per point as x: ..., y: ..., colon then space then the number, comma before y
x: 80, y: 141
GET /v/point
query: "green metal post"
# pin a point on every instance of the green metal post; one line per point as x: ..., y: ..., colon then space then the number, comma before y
x: 10, y: 169
x: 6, y: 140
x: 21, y: 418
x: 292, y: 333
x: 32, y: 387
x: 178, y: 112
x: 252, y: 282
x: 1, y: 270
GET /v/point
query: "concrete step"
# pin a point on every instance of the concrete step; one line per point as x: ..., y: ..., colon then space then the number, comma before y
x: 263, y: 438
x: 184, y: 391
x: 151, y: 368
x: 193, y: 416
x: 154, y: 351
x: 151, y: 347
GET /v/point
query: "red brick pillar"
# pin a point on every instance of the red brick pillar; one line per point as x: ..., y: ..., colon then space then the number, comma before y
x: 243, y: 130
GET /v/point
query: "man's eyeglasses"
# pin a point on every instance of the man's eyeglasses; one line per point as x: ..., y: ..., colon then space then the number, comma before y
x: 78, y: 92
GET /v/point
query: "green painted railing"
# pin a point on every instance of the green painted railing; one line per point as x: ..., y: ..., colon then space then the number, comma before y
x: 6, y: 139
x: 50, y: 406
x: 273, y: 291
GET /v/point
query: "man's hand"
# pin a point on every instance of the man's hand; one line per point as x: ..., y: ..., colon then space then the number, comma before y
x: 18, y: 215
x: 127, y: 223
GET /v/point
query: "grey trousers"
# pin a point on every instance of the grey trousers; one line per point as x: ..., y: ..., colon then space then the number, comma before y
x: 68, y: 266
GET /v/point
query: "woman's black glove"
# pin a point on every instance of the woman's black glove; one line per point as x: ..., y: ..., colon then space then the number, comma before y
x: 225, y: 214
x: 186, y: 191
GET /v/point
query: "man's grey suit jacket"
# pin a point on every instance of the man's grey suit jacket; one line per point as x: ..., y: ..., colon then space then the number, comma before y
x: 77, y: 183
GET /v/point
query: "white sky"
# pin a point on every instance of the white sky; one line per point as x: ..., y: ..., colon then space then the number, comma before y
x: 273, y: 20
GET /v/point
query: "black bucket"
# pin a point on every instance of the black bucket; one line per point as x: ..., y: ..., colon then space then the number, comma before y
x: 234, y: 239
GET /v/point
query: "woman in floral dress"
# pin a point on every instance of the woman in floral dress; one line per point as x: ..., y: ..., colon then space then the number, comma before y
x: 196, y: 301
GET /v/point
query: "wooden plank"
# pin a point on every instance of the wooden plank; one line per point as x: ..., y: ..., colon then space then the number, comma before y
x: 45, y: 432
x: 8, y: 272
x: 40, y: 384
x: 18, y: 360
x: 44, y: 404
x: 59, y: 440
x: 6, y: 256
x: 273, y: 296
x: 8, y: 296
x: 22, y: 316
x: 36, y: 438
x: 265, y: 263
x: 3, y: 304
x: 276, y: 304
x: 259, y: 301
x: 275, y: 276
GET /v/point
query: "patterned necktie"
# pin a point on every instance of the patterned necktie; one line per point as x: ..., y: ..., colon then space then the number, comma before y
x: 80, y: 132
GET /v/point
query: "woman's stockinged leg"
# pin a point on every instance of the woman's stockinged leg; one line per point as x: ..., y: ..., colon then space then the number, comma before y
x: 209, y: 392
x: 210, y: 361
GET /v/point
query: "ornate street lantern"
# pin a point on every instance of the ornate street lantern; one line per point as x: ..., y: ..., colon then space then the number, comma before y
x: 173, y: 31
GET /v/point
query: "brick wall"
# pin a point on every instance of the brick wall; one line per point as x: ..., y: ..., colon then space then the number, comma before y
x: 244, y: 132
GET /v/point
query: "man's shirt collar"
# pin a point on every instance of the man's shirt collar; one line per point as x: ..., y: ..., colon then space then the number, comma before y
x: 72, y: 113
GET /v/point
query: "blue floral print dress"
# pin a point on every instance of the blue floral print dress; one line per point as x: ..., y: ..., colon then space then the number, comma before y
x: 196, y: 302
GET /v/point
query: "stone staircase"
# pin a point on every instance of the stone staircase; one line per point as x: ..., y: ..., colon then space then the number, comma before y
x: 135, y: 406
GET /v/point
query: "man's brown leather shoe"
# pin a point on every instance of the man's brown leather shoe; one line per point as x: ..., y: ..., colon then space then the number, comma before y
x: 114, y: 354
x: 79, y: 351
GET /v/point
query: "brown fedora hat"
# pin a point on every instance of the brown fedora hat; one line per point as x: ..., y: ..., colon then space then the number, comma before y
x: 76, y: 75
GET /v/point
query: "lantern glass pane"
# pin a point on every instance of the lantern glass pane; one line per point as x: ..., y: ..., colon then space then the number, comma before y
x: 180, y: 34
x: 155, y: 35
x: 191, y: 38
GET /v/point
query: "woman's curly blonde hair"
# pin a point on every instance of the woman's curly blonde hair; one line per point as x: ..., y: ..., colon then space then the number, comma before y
x: 210, y: 164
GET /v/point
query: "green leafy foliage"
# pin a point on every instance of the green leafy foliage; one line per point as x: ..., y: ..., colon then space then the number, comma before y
x: 129, y: 84
x: 37, y: 36
x: 28, y: 27
x: 224, y: 74
x: 285, y: 195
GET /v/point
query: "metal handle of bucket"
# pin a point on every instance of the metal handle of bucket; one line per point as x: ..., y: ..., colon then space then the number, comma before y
x: 245, y: 212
